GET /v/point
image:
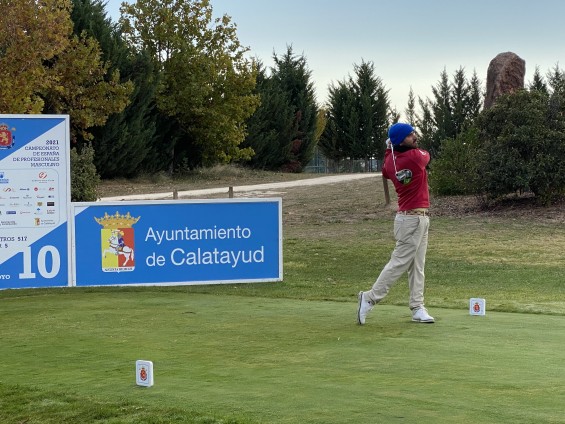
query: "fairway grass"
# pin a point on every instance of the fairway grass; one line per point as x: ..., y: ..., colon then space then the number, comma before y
x: 260, y: 360
x: 291, y: 352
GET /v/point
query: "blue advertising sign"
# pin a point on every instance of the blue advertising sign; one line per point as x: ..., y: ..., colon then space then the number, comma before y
x: 177, y: 242
x: 34, y: 201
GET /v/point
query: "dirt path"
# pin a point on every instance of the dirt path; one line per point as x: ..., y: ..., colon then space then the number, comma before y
x: 333, y: 179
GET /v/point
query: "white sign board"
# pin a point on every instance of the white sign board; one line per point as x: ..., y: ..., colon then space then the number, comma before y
x: 34, y: 201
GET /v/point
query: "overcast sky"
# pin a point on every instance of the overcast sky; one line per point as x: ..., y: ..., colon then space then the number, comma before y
x: 410, y: 42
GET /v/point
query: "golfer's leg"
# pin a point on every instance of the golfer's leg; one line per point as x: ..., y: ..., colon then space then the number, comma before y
x: 401, y: 258
x: 416, y: 273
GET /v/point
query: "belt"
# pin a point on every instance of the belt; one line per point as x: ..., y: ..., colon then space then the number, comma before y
x: 421, y: 212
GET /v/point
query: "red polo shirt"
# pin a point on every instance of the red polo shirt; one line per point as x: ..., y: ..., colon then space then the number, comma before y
x: 413, y: 193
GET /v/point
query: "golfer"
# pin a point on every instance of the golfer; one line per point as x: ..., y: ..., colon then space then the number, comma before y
x: 405, y: 164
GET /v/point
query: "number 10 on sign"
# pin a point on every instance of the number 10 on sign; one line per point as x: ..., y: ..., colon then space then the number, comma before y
x: 42, y: 262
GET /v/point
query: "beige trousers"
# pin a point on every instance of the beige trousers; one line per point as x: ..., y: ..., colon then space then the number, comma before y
x: 409, y: 255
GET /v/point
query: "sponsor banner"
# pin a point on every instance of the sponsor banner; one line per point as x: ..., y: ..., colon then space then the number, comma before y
x: 34, y: 201
x: 177, y: 242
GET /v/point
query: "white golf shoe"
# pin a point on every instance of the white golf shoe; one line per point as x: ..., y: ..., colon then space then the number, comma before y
x: 365, y: 306
x: 421, y: 315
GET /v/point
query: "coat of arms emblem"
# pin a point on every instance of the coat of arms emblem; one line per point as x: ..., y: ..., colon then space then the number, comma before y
x: 117, y: 240
x: 6, y: 137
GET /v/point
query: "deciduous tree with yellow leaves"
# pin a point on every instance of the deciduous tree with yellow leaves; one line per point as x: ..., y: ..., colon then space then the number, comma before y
x: 206, y: 82
x: 47, y: 69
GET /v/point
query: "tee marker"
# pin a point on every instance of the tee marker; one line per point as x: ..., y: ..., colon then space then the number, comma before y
x: 477, y: 306
x: 144, y: 373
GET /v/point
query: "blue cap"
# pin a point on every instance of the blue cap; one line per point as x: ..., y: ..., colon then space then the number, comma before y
x: 398, y: 132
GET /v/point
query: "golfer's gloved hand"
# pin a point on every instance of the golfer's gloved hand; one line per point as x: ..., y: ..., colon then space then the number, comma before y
x: 388, y: 143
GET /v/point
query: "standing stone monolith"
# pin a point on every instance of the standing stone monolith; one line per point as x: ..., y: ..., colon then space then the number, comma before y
x: 505, y: 74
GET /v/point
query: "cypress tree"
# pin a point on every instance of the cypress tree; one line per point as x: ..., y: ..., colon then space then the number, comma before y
x: 282, y: 131
x: 475, y: 99
x: 538, y: 83
x: 556, y: 81
x: 442, y: 113
x: 454, y: 107
x: 293, y: 77
x: 372, y: 105
x: 357, y: 119
x: 410, y: 111
x: 271, y: 126
x: 124, y: 142
x: 341, y: 123
x: 459, y: 100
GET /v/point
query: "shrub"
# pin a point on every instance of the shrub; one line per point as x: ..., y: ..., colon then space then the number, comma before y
x: 84, y: 178
x: 454, y: 172
x: 524, y: 146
